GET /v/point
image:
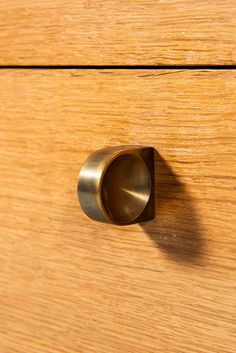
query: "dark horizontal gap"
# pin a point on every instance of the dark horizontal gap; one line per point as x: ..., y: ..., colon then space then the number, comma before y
x: 121, y: 67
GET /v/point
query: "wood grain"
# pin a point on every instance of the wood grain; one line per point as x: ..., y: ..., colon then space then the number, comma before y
x: 68, y: 284
x: 95, y: 32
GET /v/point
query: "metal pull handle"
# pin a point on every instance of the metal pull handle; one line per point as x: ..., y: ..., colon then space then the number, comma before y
x: 116, y: 185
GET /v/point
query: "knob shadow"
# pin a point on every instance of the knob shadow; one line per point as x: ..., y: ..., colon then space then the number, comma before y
x: 176, y: 228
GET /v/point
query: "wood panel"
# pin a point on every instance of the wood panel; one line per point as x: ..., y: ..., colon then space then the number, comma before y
x: 95, y: 32
x: 68, y: 284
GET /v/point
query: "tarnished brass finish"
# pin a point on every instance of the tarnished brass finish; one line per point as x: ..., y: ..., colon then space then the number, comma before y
x: 116, y: 185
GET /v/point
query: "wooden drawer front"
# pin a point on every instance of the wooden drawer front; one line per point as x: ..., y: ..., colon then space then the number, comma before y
x: 69, y: 284
x: 95, y: 32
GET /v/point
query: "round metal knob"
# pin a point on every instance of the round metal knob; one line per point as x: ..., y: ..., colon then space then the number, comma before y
x: 116, y: 185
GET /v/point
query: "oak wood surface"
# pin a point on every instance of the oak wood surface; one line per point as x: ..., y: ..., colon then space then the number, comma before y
x: 95, y: 32
x: 69, y: 284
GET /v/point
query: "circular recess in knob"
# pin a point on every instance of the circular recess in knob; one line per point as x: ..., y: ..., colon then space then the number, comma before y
x: 126, y: 188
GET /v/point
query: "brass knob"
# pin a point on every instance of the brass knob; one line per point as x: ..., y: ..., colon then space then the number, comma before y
x: 116, y: 185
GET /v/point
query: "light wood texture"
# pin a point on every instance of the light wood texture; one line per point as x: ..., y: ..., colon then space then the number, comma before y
x: 68, y: 284
x: 95, y: 32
